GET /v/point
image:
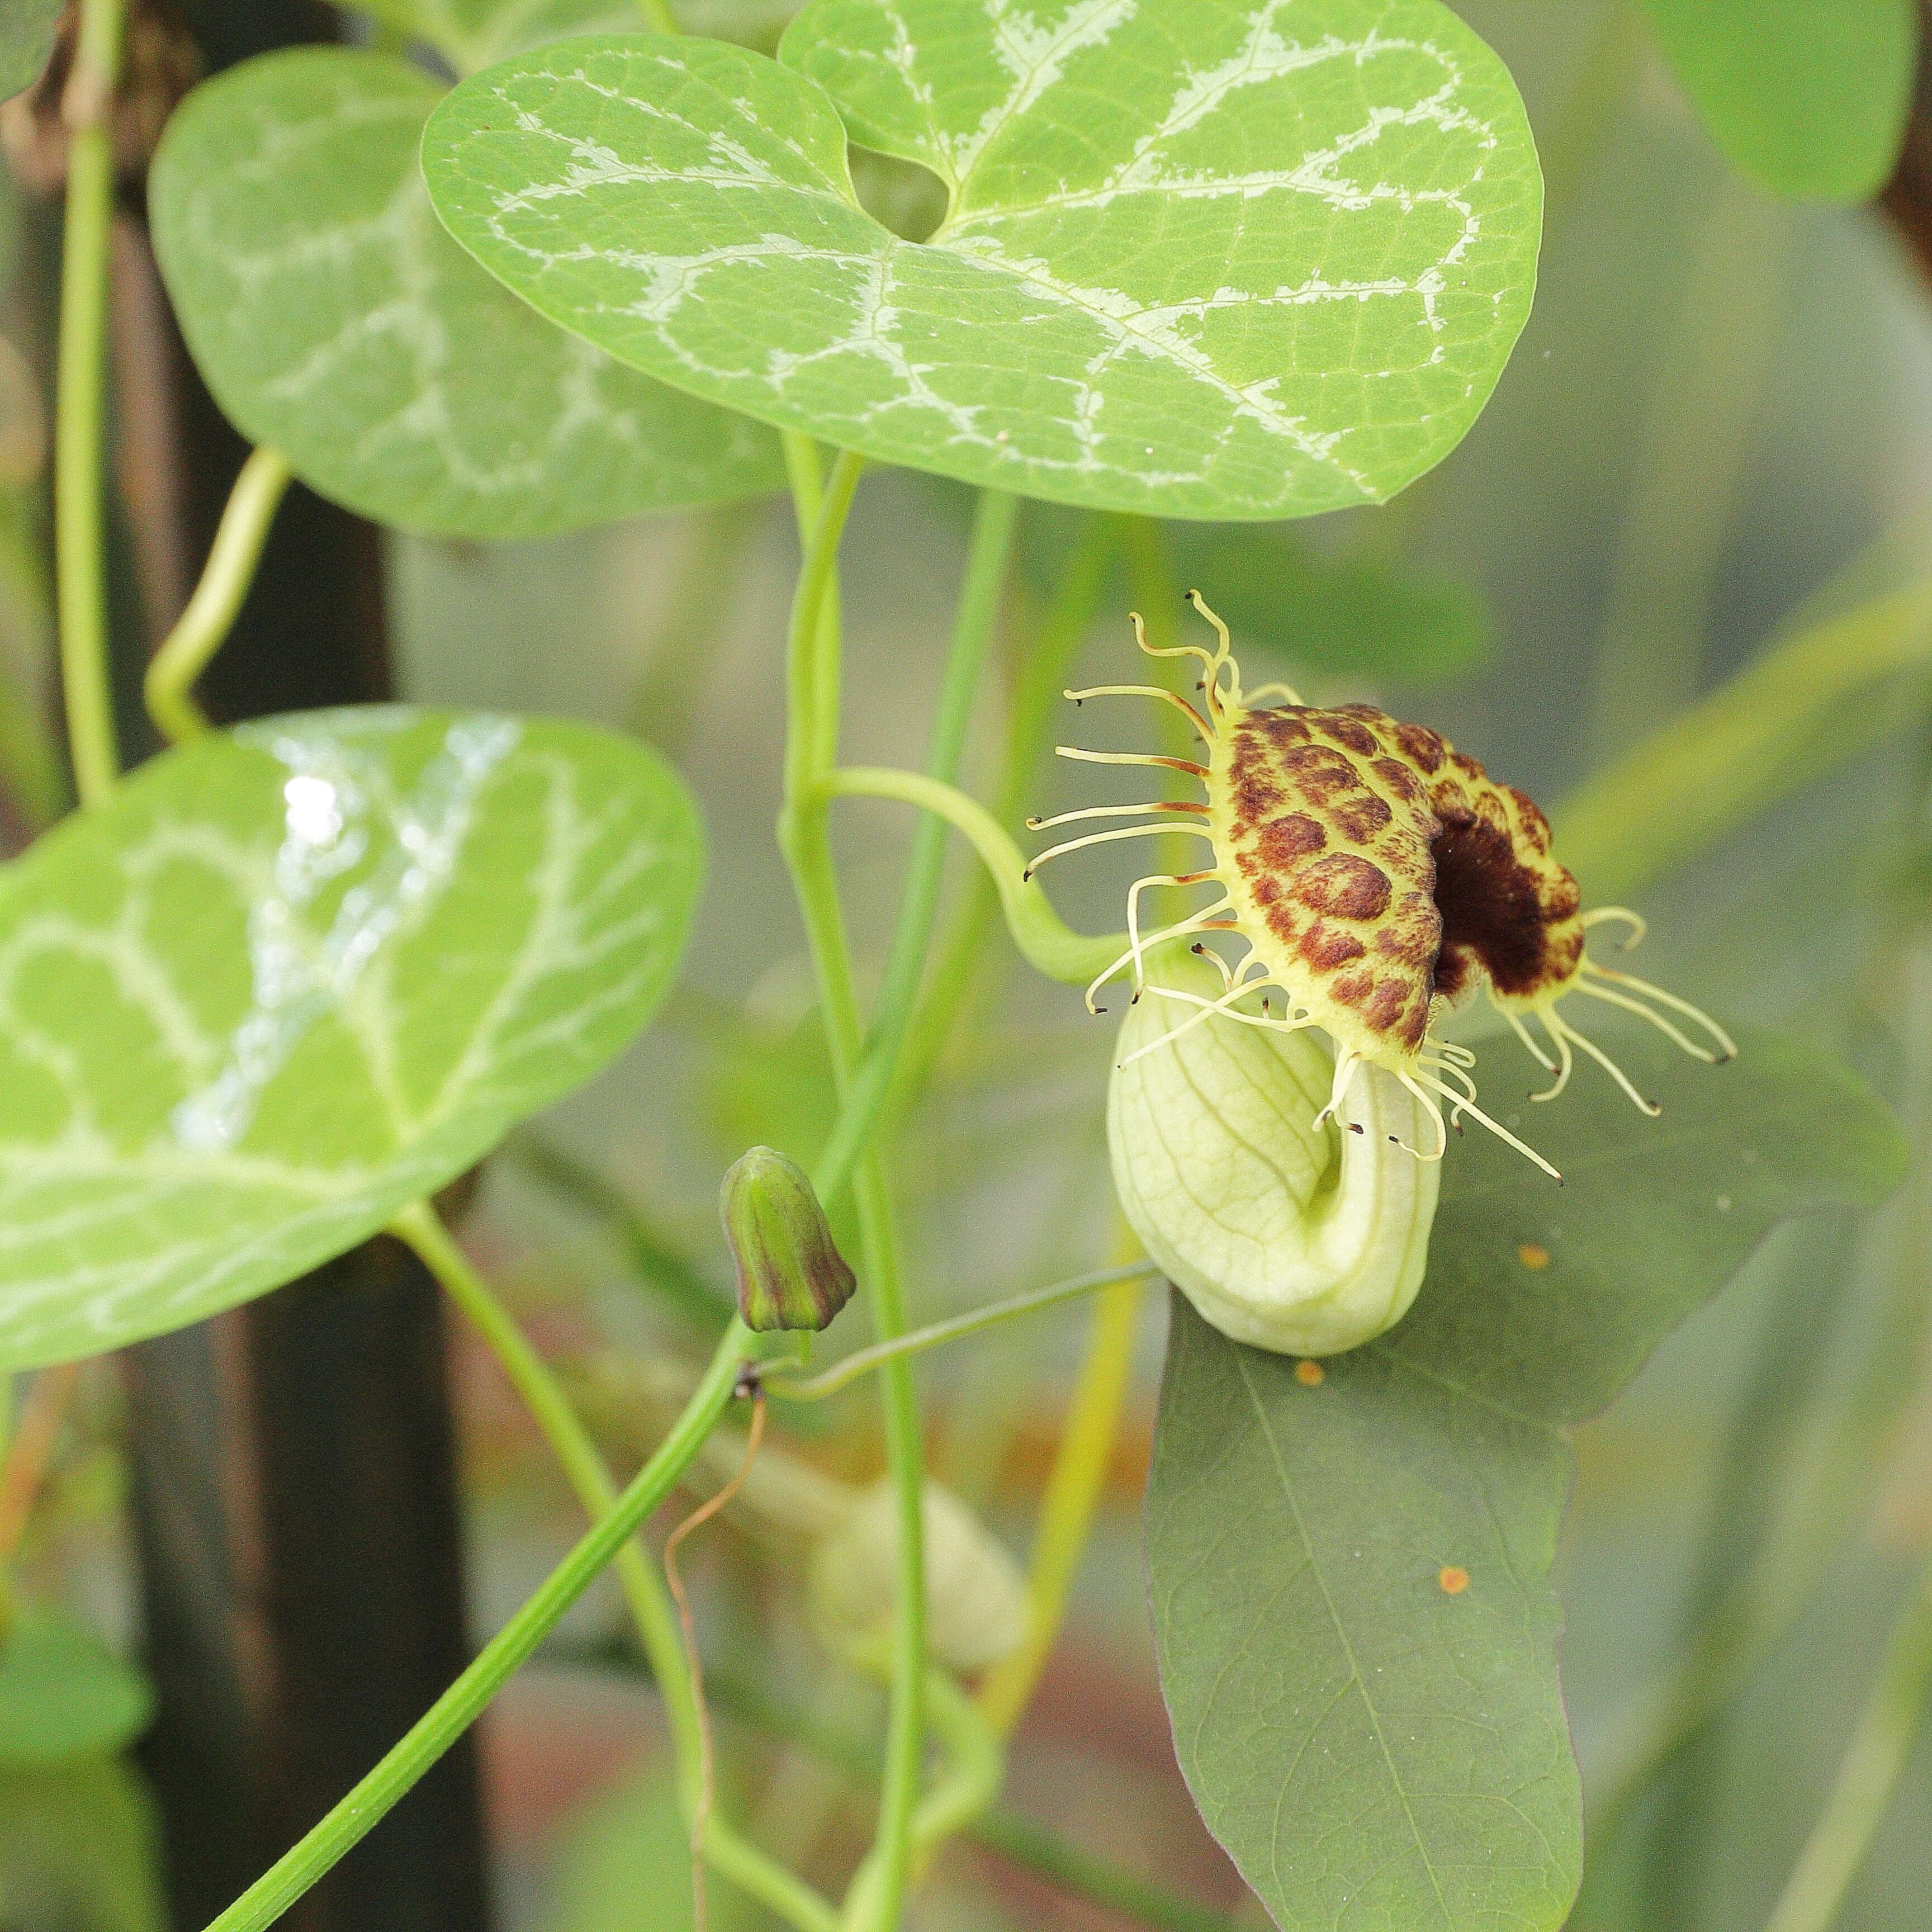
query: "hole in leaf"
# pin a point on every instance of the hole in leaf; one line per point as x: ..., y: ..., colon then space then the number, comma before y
x: 903, y: 195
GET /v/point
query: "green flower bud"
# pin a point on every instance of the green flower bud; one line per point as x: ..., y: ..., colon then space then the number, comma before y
x: 1302, y: 1238
x: 789, y: 1273
x: 976, y: 1598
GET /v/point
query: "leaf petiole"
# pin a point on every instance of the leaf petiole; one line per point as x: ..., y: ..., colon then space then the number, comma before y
x: 203, y: 627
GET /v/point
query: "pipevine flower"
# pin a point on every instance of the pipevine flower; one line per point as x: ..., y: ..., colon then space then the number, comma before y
x: 1368, y: 878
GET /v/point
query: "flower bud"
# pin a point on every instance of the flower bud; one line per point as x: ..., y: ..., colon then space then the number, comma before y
x: 975, y: 1600
x: 1302, y: 1239
x: 790, y: 1275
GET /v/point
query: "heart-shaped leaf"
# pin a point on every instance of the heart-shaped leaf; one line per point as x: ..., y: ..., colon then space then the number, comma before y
x: 1807, y: 96
x: 1211, y: 258
x: 293, y: 977
x: 64, y: 1693
x: 333, y: 318
x: 1357, y: 1629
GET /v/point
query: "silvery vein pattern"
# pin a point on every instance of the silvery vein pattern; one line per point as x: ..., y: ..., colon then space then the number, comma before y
x: 1210, y: 257
x: 294, y: 977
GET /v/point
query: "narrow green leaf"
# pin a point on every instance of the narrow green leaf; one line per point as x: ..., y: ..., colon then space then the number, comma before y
x: 64, y: 1693
x: 334, y: 319
x: 294, y: 977
x: 26, y: 39
x: 1218, y: 258
x: 1352, y: 1603
x: 1808, y: 98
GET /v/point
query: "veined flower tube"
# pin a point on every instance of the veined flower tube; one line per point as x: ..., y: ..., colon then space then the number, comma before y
x: 1307, y: 1237
x: 1368, y: 878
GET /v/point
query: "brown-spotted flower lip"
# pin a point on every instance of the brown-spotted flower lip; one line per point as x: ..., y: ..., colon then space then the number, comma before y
x: 1376, y: 877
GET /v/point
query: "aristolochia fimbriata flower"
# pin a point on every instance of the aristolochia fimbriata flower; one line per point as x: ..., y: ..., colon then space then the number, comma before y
x: 1368, y: 878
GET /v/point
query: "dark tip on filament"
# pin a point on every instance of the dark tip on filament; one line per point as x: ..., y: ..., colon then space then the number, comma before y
x: 1026, y: 877
x: 1356, y: 1127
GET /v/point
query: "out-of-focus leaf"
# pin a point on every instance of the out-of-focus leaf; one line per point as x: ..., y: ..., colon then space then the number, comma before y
x: 334, y: 319
x: 624, y: 1866
x: 1199, y: 260
x: 1807, y: 96
x: 26, y: 39
x: 1332, y: 616
x: 1357, y: 1629
x: 1811, y: 702
x: 291, y: 977
x: 472, y: 34
x: 64, y: 1693
x: 79, y: 1848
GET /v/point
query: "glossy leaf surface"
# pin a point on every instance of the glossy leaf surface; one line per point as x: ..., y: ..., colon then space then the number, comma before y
x: 1808, y: 98
x: 1358, y: 1631
x: 1211, y: 258
x: 334, y: 319
x: 293, y: 977
x: 472, y: 34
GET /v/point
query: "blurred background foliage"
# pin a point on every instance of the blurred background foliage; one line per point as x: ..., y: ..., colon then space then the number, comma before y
x: 1678, y: 585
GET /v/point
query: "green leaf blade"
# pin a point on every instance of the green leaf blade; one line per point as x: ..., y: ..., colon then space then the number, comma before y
x: 335, y: 321
x: 295, y: 976
x: 1372, y: 1751
x: 27, y: 28
x: 1808, y: 98
x: 1357, y: 1628
x: 1208, y: 260
x: 63, y: 1694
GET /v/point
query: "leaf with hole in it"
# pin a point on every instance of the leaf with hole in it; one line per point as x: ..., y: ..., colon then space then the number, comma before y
x: 26, y: 39
x: 293, y: 977
x: 1212, y: 258
x: 64, y: 1693
x: 334, y: 319
x: 1808, y: 98
x: 1350, y: 1573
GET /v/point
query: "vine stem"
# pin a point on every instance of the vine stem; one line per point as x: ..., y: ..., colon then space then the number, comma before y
x: 994, y: 520
x: 1073, y: 1493
x: 1868, y: 1775
x: 814, y: 1388
x: 79, y: 555
x: 731, y: 1856
x: 1048, y: 944
x: 203, y: 627
x: 812, y: 651
x: 365, y: 1806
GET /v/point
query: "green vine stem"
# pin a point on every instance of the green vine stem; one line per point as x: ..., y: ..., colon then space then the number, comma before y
x: 1073, y: 1492
x: 811, y: 743
x: 1868, y: 1775
x: 79, y: 554
x: 994, y: 521
x: 1046, y: 941
x: 1038, y: 679
x: 968, y: 1784
x: 203, y: 627
x: 731, y: 1856
x: 446, y: 1720
x: 815, y: 1388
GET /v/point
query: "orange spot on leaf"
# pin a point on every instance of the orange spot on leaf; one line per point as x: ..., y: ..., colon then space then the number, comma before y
x: 1454, y: 1580
x: 1310, y: 1375
x: 1533, y: 1257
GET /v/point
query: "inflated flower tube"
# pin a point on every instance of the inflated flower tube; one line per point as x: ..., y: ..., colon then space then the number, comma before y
x: 1302, y: 1235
